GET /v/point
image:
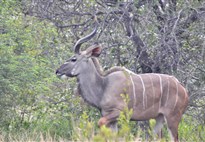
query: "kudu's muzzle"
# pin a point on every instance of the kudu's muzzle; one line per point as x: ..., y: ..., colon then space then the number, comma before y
x: 57, y: 72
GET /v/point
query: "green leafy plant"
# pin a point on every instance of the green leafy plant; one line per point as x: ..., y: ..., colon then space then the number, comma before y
x: 124, y: 120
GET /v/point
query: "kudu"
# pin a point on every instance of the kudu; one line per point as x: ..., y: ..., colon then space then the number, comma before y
x: 157, y: 96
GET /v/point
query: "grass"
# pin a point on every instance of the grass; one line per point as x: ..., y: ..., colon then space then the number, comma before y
x: 28, y: 137
x: 84, y: 128
x: 87, y: 132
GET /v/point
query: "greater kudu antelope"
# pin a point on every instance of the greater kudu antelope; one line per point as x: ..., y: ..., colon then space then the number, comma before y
x: 156, y: 96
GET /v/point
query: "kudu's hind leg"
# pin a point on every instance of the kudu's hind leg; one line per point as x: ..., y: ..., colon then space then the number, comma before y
x: 172, y: 123
x: 159, y: 124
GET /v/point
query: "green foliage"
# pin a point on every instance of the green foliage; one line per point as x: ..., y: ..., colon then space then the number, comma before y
x: 84, y: 128
x: 190, y: 131
x: 124, y: 119
x: 105, y: 134
x: 30, y: 98
x: 152, y: 123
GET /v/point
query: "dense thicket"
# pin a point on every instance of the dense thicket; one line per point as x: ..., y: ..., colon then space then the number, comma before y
x: 36, y: 36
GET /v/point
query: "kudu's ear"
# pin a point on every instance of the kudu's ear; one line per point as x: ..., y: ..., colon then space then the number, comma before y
x: 95, y: 51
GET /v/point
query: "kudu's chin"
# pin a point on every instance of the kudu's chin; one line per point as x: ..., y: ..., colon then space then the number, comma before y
x: 63, y: 77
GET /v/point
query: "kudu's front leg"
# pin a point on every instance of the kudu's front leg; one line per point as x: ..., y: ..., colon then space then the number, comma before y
x: 110, y: 120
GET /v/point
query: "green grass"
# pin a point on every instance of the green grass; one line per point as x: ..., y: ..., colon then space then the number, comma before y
x: 85, y: 130
x: 82, y: 126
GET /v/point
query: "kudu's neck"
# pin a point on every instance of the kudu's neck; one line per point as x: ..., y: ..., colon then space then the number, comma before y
x: 91, y: 84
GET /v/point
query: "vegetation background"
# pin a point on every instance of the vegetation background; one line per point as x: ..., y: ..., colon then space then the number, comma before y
x: 36, y: 36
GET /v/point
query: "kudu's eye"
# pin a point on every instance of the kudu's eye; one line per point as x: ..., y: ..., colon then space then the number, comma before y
x: 73, y: 59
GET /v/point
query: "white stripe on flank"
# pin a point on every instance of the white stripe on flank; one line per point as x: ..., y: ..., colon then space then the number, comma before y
x: 160, y: 81
x: 143, y: 86
x: 133, y: 87
x: 152, y: 89
x: 167, y: 92
x: 176, y: 94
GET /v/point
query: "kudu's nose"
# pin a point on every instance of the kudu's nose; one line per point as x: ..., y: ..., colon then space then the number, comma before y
x: 57, y: 72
